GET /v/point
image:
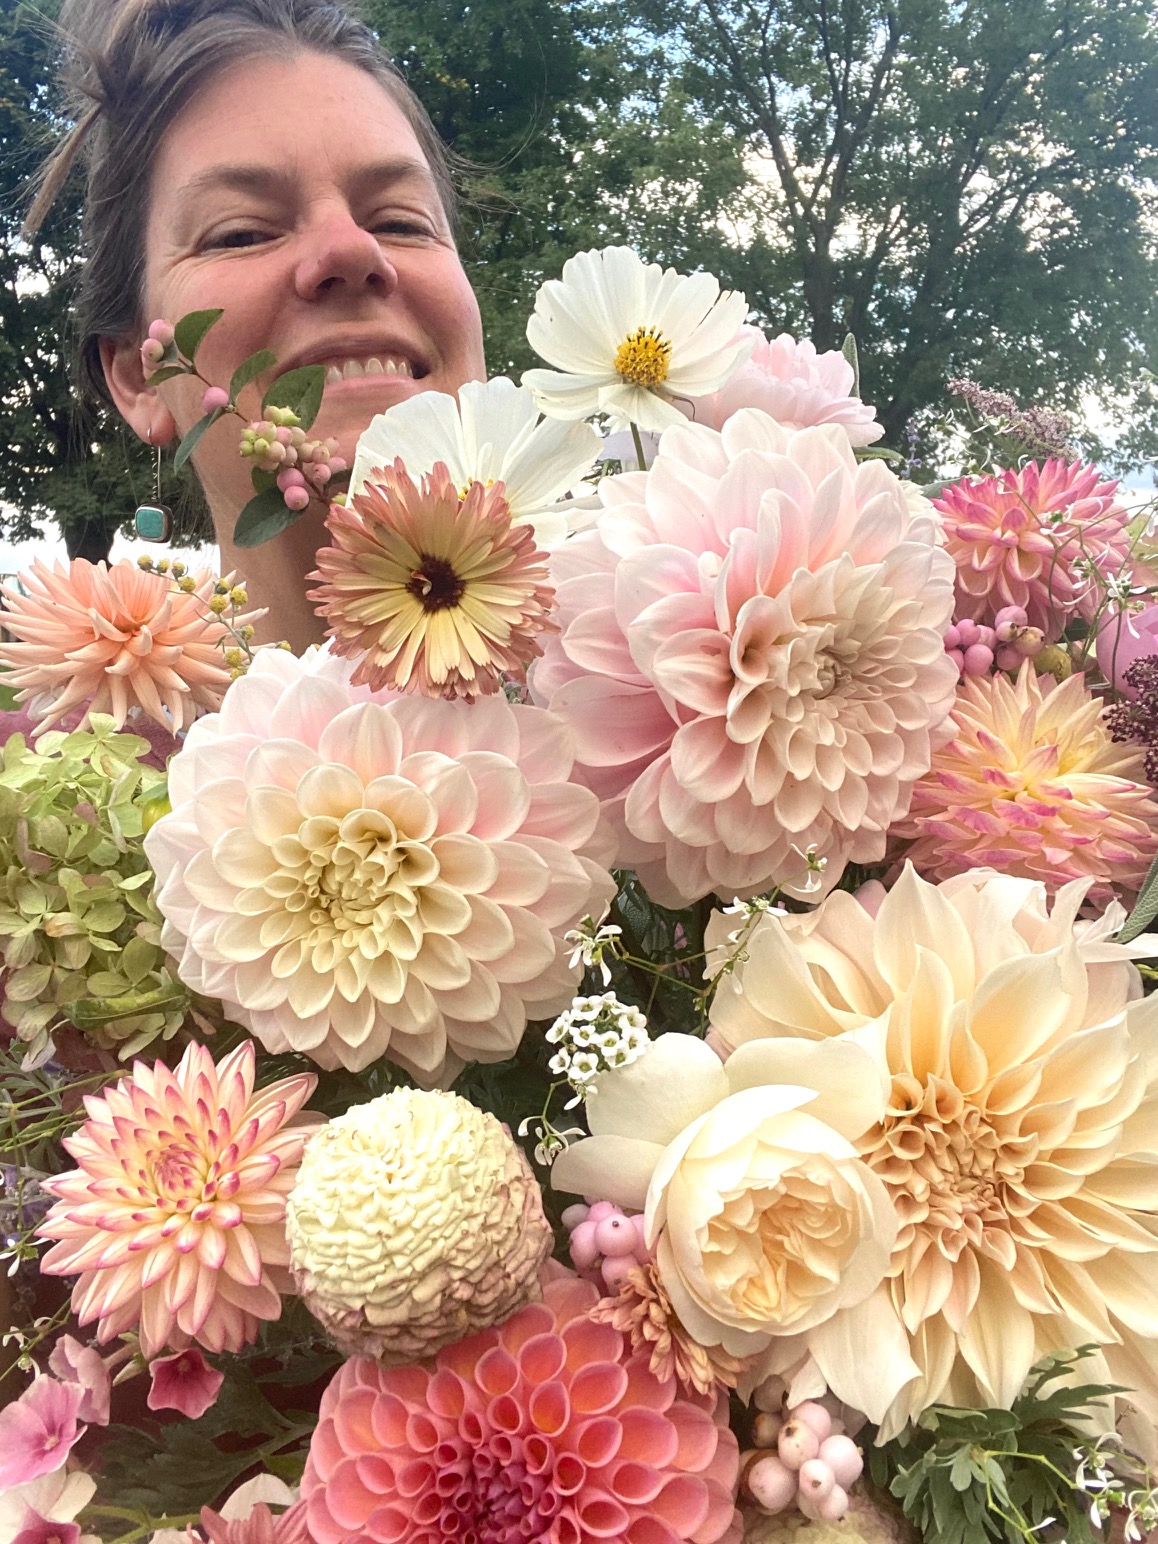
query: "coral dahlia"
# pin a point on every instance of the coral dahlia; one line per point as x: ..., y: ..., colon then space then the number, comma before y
x: 114, y: 640
x: 357, y: 878
x: 1033, y: 784
x: 796, y: 386
x: 175, y: 1217
x: 1036, y: 538
x: 548, y: 1428
x: 751, y: 657
x: 1018, y: 1143
x: 431, y: 588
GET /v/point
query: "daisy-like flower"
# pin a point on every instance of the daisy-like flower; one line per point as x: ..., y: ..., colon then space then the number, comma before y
x: 174, y: 1218
x: 1033, y: 784
x: 1017, y: 1143
x: 1044, y: 538
x: 358, y: 878
x: 751, y: 658
x: 432, y: 589
x: 491, y: 434
x: 114, y: 640
x: 629, y: 338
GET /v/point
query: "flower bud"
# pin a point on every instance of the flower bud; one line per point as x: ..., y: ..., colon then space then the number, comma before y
x: 770, y: 1484
x: 844, y: 1458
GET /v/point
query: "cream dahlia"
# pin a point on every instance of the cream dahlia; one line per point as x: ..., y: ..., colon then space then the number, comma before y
x: 796, y: 386
x: 114, y: 640
x: 546, y: 1429
x: 1032, y: 784
x: 430, y: 588
x: 1018, y: 1145
x: 356, y: 878
x: 632, y: 339
x: 415, y: 1221
x: 1040, y: 538
x: 751, y: 657
x: 491, y: 434
x: 175, y: 1217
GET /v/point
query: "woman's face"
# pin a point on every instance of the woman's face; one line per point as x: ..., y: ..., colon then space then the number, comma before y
x: 293, y: 194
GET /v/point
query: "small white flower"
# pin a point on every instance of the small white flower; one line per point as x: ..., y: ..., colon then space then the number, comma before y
x: 491, y: 434
x: 560, y: 1063
x: 584, y: 1065
x: 630, y: 338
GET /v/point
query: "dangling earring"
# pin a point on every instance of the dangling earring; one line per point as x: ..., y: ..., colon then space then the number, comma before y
x: 154, y: 522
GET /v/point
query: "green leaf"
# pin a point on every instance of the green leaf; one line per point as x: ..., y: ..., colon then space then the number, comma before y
x: 877, y: 453
x: 1145, y: 908
x: 300, y: 390
x: 191, y: 329
x: 166, y: 373
x: 848, y: 349
x: 249, y: 370
x: 962, y: 1471
x: 264, y: 517
x: 190, y: 441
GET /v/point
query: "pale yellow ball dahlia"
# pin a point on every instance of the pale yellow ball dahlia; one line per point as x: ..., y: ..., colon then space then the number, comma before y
x: 357, y: 876
x: 415, y: 1221
x: 1020, y: 1140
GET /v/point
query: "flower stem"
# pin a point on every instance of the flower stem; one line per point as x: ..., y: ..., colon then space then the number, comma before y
x: 635, y: 435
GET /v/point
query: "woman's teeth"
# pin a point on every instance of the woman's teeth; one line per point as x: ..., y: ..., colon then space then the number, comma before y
x: 353, y: 368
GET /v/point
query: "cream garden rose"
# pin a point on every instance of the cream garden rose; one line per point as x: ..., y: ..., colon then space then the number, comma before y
x: 764, y: 1220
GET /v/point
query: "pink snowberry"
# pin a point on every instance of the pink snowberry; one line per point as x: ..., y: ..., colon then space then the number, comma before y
x: 977, y: 660
x: 615, y: 1236
x: 162, y: 332
x: 771, y: 1484
x: 616, y: 1269
x: 296, y: 498
x: 290, y: 477
x: 766, y: 1428
x: 152, y: 353
x: 584, y: 1249
x: 816, y: 1479
x: 574, y: 1215
x: 215, y: 397
x: 834, y: 1506
x: 797, y: 1443
x: 601, y: 1209
x: 844, y: 1458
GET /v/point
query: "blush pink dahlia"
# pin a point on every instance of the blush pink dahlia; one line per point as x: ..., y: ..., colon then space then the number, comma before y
x: 796, y: 386
x: 752, y: 658
x: 175, y: 1217
x: 357, y: 878
x: 431, y: 588
x: 1033, y: 539
x: 1032, y: 784
x: 113, y: 639
x: 547, y: 1429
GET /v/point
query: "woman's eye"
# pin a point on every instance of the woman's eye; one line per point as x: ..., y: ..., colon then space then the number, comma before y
x: 242, y: 237
x: 402, y: 225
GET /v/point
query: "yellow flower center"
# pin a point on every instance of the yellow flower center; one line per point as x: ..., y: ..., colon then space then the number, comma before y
x: 644, y: 357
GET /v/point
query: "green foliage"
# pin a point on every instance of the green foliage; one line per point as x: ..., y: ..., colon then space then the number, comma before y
x: 1145, y: 908
x: 79, y: 931
x: 965, y: 1476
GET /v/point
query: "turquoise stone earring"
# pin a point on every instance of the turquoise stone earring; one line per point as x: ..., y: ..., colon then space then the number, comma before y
x: 154, y: 522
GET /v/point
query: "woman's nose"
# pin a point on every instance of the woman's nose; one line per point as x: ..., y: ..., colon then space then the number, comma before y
x: 339, y: 254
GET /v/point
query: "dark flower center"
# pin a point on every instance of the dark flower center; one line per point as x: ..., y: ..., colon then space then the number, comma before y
x: 436, y: 584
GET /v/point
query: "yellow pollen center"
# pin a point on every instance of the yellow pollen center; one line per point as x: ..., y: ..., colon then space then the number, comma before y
x: 644, y: 357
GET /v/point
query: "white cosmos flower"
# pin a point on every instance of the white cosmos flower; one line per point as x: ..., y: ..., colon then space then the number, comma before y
x: 631, y: 337
x: 492, y: 433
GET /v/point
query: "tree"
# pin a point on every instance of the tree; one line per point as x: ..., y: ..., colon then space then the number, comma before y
x: 966, y: 185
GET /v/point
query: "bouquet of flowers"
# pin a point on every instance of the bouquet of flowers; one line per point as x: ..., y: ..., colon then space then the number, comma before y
x: 644, y: 1036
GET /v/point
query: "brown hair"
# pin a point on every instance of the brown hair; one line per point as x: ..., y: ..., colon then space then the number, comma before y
x: 130, y: 66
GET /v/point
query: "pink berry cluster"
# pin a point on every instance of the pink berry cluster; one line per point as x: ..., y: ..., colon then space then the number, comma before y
x: 160, y: 339
x: 605, y: 1243
x: 977, y: 649
x: 279, y: 444
x: 800, y: 1459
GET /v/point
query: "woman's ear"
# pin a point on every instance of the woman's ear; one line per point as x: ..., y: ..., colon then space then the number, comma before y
x: 137, y: 402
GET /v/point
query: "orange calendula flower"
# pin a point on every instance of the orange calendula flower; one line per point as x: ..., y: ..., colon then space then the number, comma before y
x: 432, y: 588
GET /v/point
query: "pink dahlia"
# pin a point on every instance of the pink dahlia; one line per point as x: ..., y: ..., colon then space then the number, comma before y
x: 430, y: 588
x: 796, y: 386
x: 112, y: 640
x: 356, y: 878
x: 548, y: 1428
x: 1033, y: 785
x: 175, y: 1217
x: 1039, y: 538
x: 261, y: 1526
x: 751, y: 658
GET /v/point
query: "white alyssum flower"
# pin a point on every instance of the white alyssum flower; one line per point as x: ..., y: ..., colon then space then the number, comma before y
x: 630, y: 338
x: 591, y: 945
x: 594, y: 1035
x: 492, y: 433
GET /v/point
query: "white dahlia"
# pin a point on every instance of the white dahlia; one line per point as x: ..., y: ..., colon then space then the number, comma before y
x: 357, y: 876
x: 491, y: 434
x: 414, y: 1223
x: 751, y: 657
x: 1020, y: 1142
